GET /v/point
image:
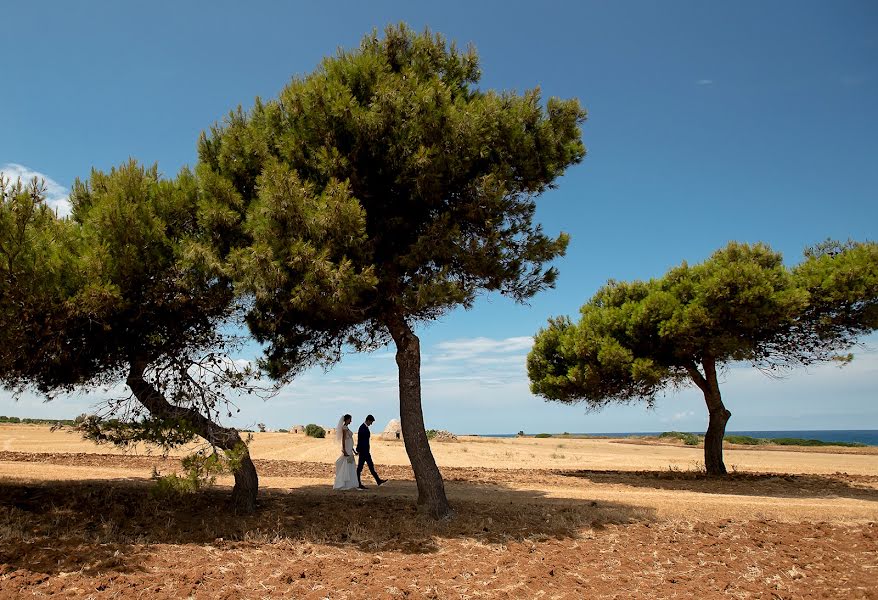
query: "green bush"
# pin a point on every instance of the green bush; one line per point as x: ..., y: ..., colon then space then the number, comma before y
x: 690, y: 439
x: 751, y: 441
x: 431, y: 433
x: 745, y: 440
x: 199, y: 471
x: 802, y: 442
x: 543, y: 435
x: 315, y: 431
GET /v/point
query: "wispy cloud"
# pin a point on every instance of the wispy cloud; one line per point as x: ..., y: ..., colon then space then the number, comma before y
x: 704, y: 82
x: 56, y: 194
x: 386, y: 379
x: 680, y: 416
x: 472, y: 347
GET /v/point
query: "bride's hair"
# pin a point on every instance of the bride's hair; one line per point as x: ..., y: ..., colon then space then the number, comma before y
x: 339, y: 429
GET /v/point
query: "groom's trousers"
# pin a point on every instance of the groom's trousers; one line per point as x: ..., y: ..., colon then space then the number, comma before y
x: 366, y: 459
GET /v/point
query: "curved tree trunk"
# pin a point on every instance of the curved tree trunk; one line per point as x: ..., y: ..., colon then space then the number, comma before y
x: 431, y: 489
x: 718, y: 416
x: 226, y: 438
x: 713, y: 438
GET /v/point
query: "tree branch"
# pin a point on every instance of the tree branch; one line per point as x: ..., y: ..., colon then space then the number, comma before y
x: 158, y: 405
x: 697, y: 377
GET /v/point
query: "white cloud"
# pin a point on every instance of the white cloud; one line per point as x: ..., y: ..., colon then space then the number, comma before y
x: 676, y: 417
x: 468, y: 395
x: 387, y: 379
x: 479, y: 361
x: 471, y: 347
x: 56, y: 194
x: 704, y: 82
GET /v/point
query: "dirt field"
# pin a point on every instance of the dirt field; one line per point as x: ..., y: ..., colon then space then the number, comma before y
x: 547, y: 518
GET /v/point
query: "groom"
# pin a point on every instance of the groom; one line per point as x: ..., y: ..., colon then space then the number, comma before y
x: 365, y: 455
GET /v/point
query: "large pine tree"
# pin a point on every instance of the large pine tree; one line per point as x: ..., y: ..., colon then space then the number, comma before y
x: 424, y: 186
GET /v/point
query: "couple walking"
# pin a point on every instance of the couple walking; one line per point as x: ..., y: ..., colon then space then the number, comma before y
x: 346, y: 475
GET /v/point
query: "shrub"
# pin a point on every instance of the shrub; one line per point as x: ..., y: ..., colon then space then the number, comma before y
x: 690, y: 439
x: 745, y: 440
x: 199, y: 472
x: 543, y: 435
x: 803, y: 442
x: 751, y: 441
x: 315, y: 431
x: 431, y: 433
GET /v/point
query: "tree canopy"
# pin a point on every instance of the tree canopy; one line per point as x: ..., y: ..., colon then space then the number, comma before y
x: 120, y: 292
x: 636, y: 339
x: 408, y: 189
x: 37, y: 274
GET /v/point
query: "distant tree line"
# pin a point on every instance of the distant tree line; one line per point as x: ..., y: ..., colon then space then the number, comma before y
x: 31, y: 421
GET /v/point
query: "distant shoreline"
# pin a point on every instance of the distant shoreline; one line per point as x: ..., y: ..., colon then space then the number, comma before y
x: 868, y: 437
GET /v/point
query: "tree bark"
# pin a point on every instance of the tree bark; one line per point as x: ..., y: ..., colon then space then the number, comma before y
x: 718, y: 415
x: 431, y: 489
x: 227, y: 438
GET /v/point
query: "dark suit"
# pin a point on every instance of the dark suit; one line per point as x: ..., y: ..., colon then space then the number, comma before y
x: 363, y: 449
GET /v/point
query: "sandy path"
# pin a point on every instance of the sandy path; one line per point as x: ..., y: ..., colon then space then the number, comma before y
x: 530, y: 456
x: 525, y: 453
x: 659, y: 503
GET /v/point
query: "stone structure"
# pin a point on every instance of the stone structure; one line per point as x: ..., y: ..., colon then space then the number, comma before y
x: 393, y: 431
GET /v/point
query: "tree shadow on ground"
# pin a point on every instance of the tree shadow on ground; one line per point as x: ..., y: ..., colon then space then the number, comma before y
x: 54, y: 527
x: 776, y: 485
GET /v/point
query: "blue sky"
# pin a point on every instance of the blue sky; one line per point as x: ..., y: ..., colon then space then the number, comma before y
x: 708, y: 122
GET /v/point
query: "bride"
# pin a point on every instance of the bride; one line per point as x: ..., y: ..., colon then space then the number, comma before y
x: 345, y: 467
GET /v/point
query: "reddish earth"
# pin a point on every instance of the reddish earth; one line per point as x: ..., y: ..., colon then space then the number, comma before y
x: 118, y: 539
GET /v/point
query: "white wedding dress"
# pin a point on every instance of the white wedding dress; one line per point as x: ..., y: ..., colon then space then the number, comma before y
x: 346, y: 466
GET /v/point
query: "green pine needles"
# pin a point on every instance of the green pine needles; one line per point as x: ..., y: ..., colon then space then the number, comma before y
x: 636, y: 339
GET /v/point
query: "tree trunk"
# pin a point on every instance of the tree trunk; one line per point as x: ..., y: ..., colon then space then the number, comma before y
x: 713, y: 438
x: 225, y: 438
x: 431, y: 489
x: 718, y: 416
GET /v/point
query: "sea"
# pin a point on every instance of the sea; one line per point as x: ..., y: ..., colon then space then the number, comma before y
x: 863, y: 436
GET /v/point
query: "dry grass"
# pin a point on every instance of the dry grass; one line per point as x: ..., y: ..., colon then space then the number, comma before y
x: 669, y: 492
x: 115, y: 540
x: 130, y: 513
x: 579, y: 528
x: 526, y: 453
